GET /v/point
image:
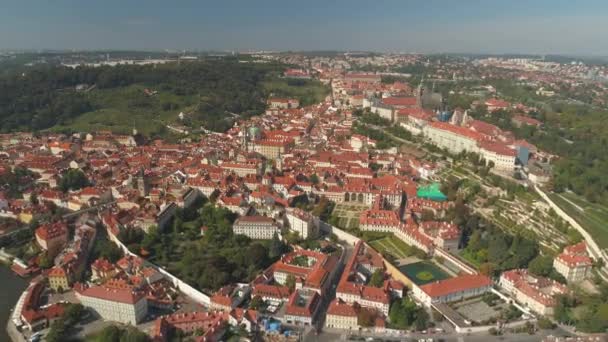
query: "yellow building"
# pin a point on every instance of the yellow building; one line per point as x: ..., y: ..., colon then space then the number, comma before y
x: 25, y: 216
x: 58, y: 279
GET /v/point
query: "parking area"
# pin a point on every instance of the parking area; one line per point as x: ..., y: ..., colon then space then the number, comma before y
x: 481, y: 310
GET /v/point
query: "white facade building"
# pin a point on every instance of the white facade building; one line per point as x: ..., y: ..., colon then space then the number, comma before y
x: 122, y: 305
x: 306, y: 225
x: 256, y: 227
x: 453, y: 138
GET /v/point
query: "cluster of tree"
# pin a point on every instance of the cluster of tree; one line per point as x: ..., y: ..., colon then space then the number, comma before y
x: 73, y: 179
x: 18, y: 244
x: 462, y: 190
x: 542, y: 266
x: 218, y: 258
x: 416, y: 68
x: 460, y: 100
x: 478, y: 164
x: 45, y: 261
x: 13, y: 182
x: 494, y: 250
x: 390, y: 79
x: 323, y: 209
x: 290, y: 283
x: 405, y: 313
x: 400, y: 132
x: 256, y: 303
x: 114, y: 333
x: 104, y: 248
x: 308, y: 92
x: 366, y: 317
x: 59, y: 329
x: 301, y: 202
x: 592, y: 311
x: 45, y: 96
x: 383, y: 141
x: 374, y: 119
x: 377, y: 278
x: 545, y: 323
x: 577, y: 133
x: 311, y: 244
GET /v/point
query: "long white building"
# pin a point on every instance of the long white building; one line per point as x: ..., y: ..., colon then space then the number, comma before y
x: 457, y: 139
x: 114, y: 302
x: 452, y: 289
x: 256, y: 227
x: 453, y: 138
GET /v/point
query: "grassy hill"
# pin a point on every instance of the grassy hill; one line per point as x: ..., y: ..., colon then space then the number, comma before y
x: 592, y: 217
x: 208, y: 91
x: 307, y: 91
x: 124, y: 108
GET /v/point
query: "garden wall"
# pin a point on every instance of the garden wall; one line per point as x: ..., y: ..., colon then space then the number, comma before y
x: 186, y: 289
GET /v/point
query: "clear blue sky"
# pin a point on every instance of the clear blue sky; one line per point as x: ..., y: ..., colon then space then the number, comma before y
x: 506, y: 26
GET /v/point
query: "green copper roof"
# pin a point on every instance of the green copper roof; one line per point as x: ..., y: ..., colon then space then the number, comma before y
x: 431, y: 192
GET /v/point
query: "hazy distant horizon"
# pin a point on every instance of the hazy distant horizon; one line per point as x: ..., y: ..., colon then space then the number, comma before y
x: 204, y: 51
x: 536, y: 27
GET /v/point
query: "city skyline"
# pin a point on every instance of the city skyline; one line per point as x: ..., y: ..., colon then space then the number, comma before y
x: 518, y: 27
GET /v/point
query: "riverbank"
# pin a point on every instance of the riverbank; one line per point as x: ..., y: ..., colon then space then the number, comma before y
x: 12, y: 287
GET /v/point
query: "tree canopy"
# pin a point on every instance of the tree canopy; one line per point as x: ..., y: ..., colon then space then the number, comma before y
x: 45, y: 96
x: 377, y: 278
x: 73, y: 179
x: 113, y: 333
x: 208, y: 262
x: 405, y: 313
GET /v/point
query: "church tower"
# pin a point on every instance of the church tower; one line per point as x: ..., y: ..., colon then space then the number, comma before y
x: 142, y: 182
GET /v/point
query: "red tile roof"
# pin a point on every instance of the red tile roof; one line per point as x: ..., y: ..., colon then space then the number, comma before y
x: 400, y: 101
x: 527, y: 120
x: 51, y: 231
x: 302, y: 303
x: 497, y: 103
x: 340, y: 308
x: 416, y: 113
x: 576, y: 255
x: 455, y: 285
x: 462, y: 131
x: 273, y: 291
x: 256, y: 219
x: 498, y: 148
x: 114, y: 291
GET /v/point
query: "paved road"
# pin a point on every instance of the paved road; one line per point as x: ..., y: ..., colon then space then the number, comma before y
x: 13, y: 333
x: 338, y: 336
x: 331, y: 294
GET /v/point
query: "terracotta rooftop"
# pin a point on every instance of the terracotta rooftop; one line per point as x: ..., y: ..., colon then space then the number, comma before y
x: 455, y: 285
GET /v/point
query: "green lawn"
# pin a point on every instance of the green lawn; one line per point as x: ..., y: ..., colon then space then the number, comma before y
x: 379, y: 246
x: 386, y: 248
x: 593, y: 217
x: 309, y: 92
x: 393, y: 246
x: 122, y: 109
